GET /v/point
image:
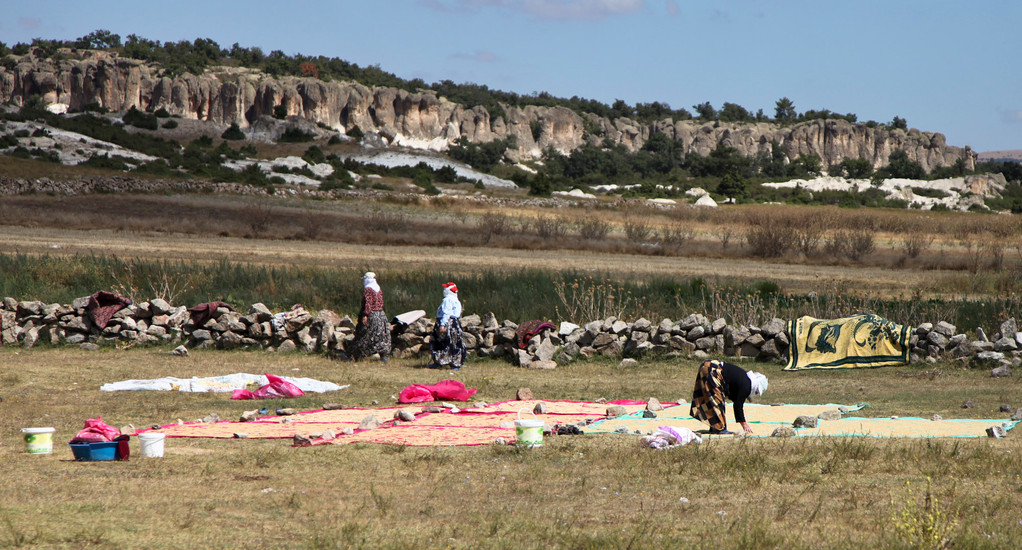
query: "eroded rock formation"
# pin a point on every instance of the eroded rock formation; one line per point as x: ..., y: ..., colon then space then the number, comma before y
x: 225, y: 95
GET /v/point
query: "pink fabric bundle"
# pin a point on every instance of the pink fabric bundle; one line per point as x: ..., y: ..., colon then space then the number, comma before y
x: 96, y: 431
x: 443, y: 390
x: 277, y: 388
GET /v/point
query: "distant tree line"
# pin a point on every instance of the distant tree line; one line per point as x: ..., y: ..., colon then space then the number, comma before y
x: 193, y: 57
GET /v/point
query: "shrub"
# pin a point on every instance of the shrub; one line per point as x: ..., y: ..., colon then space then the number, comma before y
x: 233, y: 133
x: 853, y: 244
x: 314, y: 155
x: 295, y: 135
x: 548, y: 227
x: 638, y: 231
x: 768, y: 237
x: 170, y: 124
x: 593, y: 229
x: 139, y: 119
x: 355, y: 133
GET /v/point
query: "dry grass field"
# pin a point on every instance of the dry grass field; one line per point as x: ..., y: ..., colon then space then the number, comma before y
x: 573, y: 492
x: 590, y: 491
x: 802, y: 249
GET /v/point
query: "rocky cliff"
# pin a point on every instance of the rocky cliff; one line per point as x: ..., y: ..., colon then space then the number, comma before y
x: 423, y: 120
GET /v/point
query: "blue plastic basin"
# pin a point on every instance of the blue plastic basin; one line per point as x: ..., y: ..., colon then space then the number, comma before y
x: 106, y: 450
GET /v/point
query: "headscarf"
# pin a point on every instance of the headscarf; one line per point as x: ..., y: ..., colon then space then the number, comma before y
x: 450, y: 288
x: 369, y: 281
x: 759, y: 382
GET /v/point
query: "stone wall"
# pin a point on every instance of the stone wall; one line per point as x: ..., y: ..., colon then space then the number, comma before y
x: 26, y: 323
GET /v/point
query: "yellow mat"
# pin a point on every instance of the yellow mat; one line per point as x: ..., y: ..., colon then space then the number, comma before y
x: 905, y: 427
x: 678, y: 416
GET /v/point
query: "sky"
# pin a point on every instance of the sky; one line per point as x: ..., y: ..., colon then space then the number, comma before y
x: 943, y: 65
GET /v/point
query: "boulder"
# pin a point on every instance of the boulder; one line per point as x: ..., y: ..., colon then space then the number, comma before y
x: 804, y: 421
x: 1002, y: 371
x: 566, y: 328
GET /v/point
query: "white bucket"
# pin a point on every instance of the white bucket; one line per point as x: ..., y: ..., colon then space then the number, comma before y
x: 38, y: 441
x: 152, y: 444
x: 528, y: 433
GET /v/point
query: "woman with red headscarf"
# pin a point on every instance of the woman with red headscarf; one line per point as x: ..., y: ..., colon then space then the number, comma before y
x: 446, y: 343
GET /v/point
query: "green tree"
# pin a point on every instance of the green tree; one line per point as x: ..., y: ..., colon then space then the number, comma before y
x: 899, y: 123
x: 621, y: 109
x: 899, y: 166
x: 732, y: 186
x: 856, y: 168
x: 732, y: 112
x: 705, y: 111
x: 98, y: 40
x: 809, y: 163
x: 784, y: 110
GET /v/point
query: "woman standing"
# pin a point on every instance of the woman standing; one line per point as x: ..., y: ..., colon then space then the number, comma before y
x: 372, y: 333
x: 718, y: 380
x: 446, y: 343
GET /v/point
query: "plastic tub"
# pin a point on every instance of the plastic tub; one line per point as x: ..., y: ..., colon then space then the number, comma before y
x: 528, y: 433
x: 38, y: 441
x: 105, y: 450
x: 152, y: 443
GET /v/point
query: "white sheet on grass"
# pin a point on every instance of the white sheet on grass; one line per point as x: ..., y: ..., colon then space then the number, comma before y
x: 226, y: 383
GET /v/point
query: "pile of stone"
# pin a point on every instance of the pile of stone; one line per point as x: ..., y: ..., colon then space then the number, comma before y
x: 152, y: 322
x: 1000, y: 352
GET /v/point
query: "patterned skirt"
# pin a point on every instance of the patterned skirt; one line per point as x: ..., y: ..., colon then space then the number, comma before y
x: 448, y: 349
x: 708, y: 396
x: 371, y: 337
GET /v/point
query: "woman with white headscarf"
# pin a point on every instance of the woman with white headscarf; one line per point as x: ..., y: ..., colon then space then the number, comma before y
x: 372, y: 333
x: 446, y: 343
x: 717, y: 380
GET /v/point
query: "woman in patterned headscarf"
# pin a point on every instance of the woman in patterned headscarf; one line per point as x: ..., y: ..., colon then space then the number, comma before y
x: 718, y: 380
x: 446, y: 343
x: 372, y: 333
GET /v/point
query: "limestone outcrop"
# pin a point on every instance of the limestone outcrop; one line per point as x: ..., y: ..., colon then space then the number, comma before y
x: 422, y: 119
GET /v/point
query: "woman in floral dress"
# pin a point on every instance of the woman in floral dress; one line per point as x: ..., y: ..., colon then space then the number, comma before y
x: 372, y: 333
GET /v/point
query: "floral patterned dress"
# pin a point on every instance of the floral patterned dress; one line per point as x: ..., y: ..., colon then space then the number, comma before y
x: 372, y: 333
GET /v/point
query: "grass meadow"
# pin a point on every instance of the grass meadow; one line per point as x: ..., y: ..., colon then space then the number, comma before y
x: 521, y: 261
x: 589, y: 491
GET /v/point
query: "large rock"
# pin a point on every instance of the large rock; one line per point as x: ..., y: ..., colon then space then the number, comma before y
x: 546, y: 350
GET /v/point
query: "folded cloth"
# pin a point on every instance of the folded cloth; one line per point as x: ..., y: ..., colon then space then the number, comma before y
x: 103, y: 305
x: 864, y: 340
x: 96, y: 431
x: 528, y: 329
x: 670, y: 436
x: 443, y: 390
x: 202, y: 312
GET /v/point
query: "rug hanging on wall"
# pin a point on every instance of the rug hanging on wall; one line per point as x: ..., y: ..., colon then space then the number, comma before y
x: 864, y: 340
